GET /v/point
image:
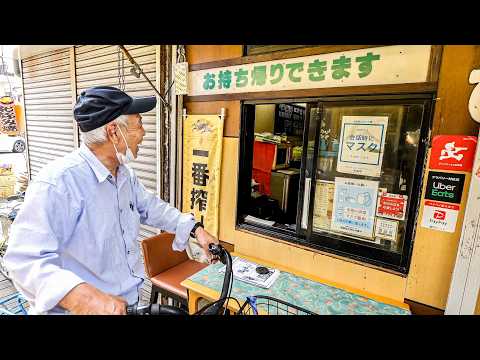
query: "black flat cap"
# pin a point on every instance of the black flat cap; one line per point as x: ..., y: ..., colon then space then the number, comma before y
x: 99, y: 105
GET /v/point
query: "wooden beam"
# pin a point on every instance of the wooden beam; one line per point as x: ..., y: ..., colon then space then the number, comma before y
x: 451, y: 109
x: 435, y: 62
x: 425, y: 87
x: 277, y: 55
x: 197, y: 54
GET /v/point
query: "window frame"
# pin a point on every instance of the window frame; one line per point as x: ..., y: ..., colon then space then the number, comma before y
x: 391, y: 261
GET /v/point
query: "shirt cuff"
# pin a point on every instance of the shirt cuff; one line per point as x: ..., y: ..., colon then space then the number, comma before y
x: 182, y: 233
x: 51, y: 292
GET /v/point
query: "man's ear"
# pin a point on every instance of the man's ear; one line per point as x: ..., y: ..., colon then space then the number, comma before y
x: 112, y: 133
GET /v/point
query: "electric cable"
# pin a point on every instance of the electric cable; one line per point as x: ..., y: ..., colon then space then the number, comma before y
x: 168, y: 90
x: 140, y: 70
x: 121, y: 70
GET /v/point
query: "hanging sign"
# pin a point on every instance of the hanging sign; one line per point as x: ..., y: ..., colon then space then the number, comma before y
x: 8, y: 119
x: 440, y: 216
x: 453, y: 152
x: 397, y: 64
x: 202, y: 155
x: 181, y: 78
x: 354, y: 206
x: 362, y: 142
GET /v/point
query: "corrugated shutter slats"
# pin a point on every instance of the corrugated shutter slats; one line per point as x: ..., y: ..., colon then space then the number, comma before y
x: 48, y: 107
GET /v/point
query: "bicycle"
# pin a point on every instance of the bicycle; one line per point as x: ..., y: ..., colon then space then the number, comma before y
x: 250, y: 306
x: 8, y: 211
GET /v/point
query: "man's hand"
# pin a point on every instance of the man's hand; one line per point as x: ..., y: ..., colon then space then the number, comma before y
x: 204, y: 239
x: 84, y: 299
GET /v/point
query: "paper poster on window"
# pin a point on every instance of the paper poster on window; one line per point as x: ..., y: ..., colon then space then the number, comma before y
x: 323, y: 208
x: 392, y: 206
x: 354, y: 206
x: 362, y: 143
x: 386, y: 229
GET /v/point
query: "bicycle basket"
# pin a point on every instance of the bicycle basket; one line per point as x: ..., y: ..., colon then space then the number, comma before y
x: 14, y: 304
x: 266, y: 305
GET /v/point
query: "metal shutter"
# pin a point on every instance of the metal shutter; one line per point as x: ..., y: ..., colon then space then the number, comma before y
x: 98, y: 65
x: 48, y: 107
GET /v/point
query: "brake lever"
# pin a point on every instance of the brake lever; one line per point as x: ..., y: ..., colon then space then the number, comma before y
x: 218, y: 252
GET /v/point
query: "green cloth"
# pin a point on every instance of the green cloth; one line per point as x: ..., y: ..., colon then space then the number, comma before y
x: 316, y: 297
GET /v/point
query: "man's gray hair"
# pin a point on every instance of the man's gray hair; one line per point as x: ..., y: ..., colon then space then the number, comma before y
x: 99, y: 135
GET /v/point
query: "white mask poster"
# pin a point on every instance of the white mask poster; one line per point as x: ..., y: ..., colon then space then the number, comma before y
x: 362, y: 143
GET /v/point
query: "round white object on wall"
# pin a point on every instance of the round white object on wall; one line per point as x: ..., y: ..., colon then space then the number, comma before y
x: 474, y: 102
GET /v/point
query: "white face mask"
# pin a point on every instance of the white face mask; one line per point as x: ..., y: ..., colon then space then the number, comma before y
x: 124, y: 159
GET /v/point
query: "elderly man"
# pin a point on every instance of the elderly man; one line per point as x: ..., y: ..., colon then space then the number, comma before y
x: 73, y: 247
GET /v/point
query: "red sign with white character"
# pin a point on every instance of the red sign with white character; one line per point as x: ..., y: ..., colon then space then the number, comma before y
x: 392, y: 206
x: 453, y: 152
x: 439, y: 214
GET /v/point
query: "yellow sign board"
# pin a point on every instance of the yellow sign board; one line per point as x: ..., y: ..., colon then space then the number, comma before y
x: 202, y: 156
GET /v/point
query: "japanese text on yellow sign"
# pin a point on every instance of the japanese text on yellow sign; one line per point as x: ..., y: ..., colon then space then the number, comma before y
x: 397, y: 64
x: 202, y: 153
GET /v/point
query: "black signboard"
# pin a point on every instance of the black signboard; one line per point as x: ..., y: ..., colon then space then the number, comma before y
x: 289, y: 119
x: 445, y: 187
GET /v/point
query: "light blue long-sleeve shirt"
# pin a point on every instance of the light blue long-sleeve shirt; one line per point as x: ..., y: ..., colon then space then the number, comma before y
x: 80, y: 224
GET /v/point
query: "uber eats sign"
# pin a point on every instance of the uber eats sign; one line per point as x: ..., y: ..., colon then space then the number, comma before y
x: 445, y: 187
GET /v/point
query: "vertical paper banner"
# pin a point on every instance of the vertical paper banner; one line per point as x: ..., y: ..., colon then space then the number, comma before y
x: 202, y: 156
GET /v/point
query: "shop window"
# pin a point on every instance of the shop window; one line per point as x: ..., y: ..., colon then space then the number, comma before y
x: 338, y: 174
x: 276, y: 162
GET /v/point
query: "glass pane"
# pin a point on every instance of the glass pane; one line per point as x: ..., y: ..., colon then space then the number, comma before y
x: 276, y: 161
x: 364, y: 172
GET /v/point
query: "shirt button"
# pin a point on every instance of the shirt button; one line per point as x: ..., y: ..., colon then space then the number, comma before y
x: 123, y: 231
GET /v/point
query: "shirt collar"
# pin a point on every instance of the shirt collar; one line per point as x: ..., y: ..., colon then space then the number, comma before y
x: 101, y: 172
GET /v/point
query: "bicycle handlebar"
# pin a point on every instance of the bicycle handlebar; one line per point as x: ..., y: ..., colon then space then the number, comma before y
x: 225, y: 258
x: 216, y: 250
x: 155, y: 309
